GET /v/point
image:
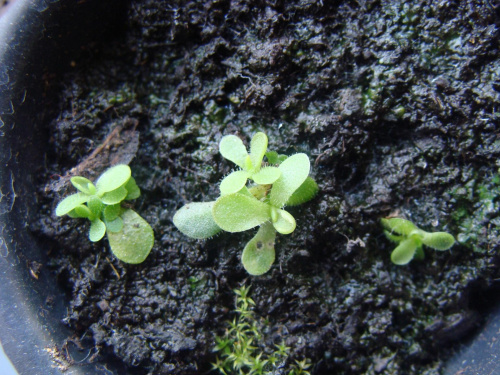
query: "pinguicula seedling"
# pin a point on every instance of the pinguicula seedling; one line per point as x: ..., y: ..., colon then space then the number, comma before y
x: 241, y: 207
x: 130, y: 236
x: 410, y: 240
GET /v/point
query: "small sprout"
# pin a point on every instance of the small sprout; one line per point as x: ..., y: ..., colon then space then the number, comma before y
x: 410, y: 240
x: 240, y: 208
x: 130, y: 237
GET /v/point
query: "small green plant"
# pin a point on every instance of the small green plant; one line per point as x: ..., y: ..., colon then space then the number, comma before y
x: 241, y: 349
x: 130, y: 236
x: 410, y: 240
x: 241, y: 208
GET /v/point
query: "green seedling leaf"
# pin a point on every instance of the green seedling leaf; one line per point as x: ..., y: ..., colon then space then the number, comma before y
x: 115, y: 196
x: 266, y: 175
x: 400, y: 226
x: 285, y: 223
x: 274, y: 158
x: 196, y: 221
x: 258, y: 255
x: 110, y: 213
x: 238, y: 212
x: 404, y: 252
x: 134, y: 242
x: 259, y: 191
x: 132, y: 189
x: 393, y: 237
x: 419, y: 253
x: 96, y: 206
x: 233, y: 182
x: 115, y: 225
x: 258, y: 147
x: 97, y: 230
x: 438, y: 240
x: 113, y: 178
x: 233, y: 149
x: 81, y: 211
x: 294, y: 171
x: 70, y: 202
x: 304, y: 193
x: 83, y: 184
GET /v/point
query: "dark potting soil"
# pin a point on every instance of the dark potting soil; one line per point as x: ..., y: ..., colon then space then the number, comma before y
x: 397, y: 104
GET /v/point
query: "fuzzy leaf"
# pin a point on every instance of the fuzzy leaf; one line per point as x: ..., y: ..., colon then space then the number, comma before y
x: 285, y: 223
x: 404, y: 252
x: 233, y: 149
x: 258, y: 255
x: 96, y: 206
x: 134, y: 242
x: 438, y: 240
x: 393, y: 237
x: 233, y: 182
x: 81, y: 211
x: 115, y: 225
x: 97, y: 230
x: 83, y: 184
x: 266, y: 175
x: 258, y: 147
x: 70, y: 202
x: 294, y: 171
x: 196, y: 221
x: 115, y: 196
x: 133, y: 191
x: 304, y: 193
x: 238, y: 212
x: 110, y: 213
x: 113, y: 178
x: 400, y: 226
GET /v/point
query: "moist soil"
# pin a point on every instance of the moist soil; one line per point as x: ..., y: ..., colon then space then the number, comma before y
x: 397, y: 105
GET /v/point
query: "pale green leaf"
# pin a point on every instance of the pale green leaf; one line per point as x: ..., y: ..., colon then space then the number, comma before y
x: 258, y: 147
x: 398, y: 225
x: 285, y: 223
x: 81, y: 211
x: 115, y: 225
x: 133, y: 191
x: 267, y: 175
x: 304, y: 193
x: 294, y: 171
x: 70, y: 202
x: 404, y: 252
x: 393, y: 237
x: 258, y: 255
x: 97, y: 230
x: 238, y: 212
x: 134, y: 242
x: 110, y: 213
x: 196, y: 221
x: 438, y: 240
x: 233, y: 182
x: 83, y: 184
x: 113, y: 178
x: 95, y: 205
x: 115, y: 196
x: 233, y: 149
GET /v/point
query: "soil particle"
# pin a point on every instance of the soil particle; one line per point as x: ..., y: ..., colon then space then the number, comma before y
x: 397, y: 105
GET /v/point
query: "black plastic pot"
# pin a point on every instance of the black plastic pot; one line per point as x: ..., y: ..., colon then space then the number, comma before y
x: 38, y: 39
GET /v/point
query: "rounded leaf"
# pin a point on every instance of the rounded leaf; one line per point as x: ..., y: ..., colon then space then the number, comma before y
x: 238, y: 212
x: 110, y: 213
x: 258, y: 255
x: 97, y: 230
x: 304, y: 193
x: 398, y: 225
x: 196, y: 221
x: 258, y: 147
x: 438, y: 240
x: 133, y: 191
x: 83, y: 184
x: 285, y: 224
x: 115, y: 225
x: 134, y: 242
x: 71, y: 202
x: 294, y: 171
x: 404, y: 252
x: 266, y: 175
x: 115, y: 196
x: 233, y: 149
x: 113, y: 178
x: 95, y: 205
x: 81, y: 211
x: 233, y: 182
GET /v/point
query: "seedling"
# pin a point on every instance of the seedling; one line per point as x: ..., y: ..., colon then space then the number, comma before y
x: 410, y: 240
x: 241, y: 207
x: 130, y: 236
